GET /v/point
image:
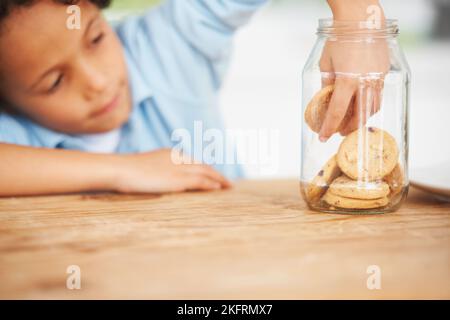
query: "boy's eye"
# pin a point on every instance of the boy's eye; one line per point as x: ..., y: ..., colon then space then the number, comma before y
x: 98, y: 38
x: 56, y: 84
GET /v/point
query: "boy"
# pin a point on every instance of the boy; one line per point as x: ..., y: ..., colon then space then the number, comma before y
x: 94, y: 109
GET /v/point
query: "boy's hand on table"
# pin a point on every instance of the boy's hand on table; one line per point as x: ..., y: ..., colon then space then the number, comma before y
x: 343, y: 62
x: 157, y: 172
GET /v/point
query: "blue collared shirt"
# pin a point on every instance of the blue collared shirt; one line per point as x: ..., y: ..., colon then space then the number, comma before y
x: 177, y: 55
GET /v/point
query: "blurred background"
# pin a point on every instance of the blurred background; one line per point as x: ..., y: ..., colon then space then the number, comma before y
x: 263, y: 87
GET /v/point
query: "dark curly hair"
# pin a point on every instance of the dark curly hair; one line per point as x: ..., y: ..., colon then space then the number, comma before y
x: 7, y: 5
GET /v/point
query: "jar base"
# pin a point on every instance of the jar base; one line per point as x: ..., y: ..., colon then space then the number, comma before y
x: 321, y: 206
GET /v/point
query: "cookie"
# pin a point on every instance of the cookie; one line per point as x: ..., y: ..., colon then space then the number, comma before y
x: 345, y: 187
x: 367, y: 154
x: 349, y: 203
x: 317, y: 108
x: 320, y: 183
x: 395, y: 179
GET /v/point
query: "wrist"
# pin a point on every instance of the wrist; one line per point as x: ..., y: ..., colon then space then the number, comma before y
x: 355, y: 10
x: 108, y: 170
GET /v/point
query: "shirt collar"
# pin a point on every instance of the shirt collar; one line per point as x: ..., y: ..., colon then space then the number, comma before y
x: 46, y: 137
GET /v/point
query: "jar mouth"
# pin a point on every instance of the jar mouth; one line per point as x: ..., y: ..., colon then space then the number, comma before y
x: 329, y: 26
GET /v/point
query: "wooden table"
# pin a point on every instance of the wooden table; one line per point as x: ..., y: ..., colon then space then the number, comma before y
x: 257, y: 241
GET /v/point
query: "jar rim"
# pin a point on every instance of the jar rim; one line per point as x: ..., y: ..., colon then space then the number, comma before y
x: 329, y: 26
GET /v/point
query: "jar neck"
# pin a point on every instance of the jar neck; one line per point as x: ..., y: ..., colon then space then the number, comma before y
x: 358, y: 29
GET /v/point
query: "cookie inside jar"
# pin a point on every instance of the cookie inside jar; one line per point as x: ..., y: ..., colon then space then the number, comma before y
x: 365, y: 174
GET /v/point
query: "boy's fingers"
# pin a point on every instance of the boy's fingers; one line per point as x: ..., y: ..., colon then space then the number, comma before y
x: 367, y: 103
x: 208, y: 171
x: 200, y: 182
x: 326, y: 68
x: 339, y: 103
x: 327, y: 74
x: 377, y: 95
x: 362, y: 108
x: 213, y: 174
x: 328, y: 78
x: 376, y: 102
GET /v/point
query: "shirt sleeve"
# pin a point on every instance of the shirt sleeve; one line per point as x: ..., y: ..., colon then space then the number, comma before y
x: 186, y: 45
x: 19, y: 130
x: 13, y: 131
x: 209, y: 25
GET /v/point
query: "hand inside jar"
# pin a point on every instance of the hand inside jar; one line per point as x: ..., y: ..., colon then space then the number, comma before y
x: 356, y: 66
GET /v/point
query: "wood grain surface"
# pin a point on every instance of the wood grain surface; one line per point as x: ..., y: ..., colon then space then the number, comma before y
x: 255, y: 241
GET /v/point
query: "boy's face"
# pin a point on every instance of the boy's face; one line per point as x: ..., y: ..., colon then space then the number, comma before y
x: 73, y: 81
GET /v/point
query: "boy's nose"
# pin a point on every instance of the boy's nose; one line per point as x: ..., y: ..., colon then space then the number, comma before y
x: 95, y: 82
x: 96, y: 85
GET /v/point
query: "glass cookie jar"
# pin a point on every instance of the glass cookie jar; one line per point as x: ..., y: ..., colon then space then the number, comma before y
x: 355, y: 100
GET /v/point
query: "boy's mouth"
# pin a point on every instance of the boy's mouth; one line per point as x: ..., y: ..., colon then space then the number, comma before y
x: 107, y: 108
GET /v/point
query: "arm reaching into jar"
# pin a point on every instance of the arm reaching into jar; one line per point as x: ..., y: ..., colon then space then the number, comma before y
x: 357, y: 68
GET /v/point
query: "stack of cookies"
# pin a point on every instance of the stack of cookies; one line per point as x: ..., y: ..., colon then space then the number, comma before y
x: 364, y: 174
